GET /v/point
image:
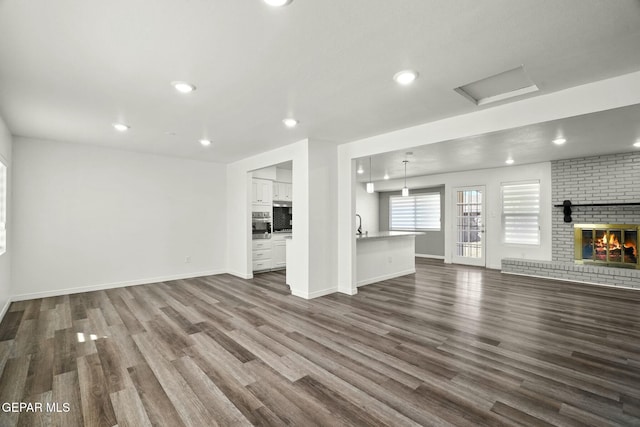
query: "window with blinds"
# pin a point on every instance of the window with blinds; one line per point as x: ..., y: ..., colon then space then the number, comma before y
x: 3, y: 208
x: 415, y: 212
x: 521, y: 213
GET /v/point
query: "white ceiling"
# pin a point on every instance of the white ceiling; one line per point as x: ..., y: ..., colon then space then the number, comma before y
x: 70, y: 68
x: 607, y: 132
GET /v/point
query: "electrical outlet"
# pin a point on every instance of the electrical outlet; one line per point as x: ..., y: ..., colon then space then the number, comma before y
x: 390, y: 260
x: 187, y: 260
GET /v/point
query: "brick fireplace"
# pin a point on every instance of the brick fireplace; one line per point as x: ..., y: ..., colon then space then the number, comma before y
x: 603, y: 180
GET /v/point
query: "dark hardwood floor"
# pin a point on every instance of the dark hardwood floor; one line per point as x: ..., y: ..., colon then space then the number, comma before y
x: 450, y: 345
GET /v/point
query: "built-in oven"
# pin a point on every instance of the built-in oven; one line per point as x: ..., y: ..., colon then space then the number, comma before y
x: 260, y: 225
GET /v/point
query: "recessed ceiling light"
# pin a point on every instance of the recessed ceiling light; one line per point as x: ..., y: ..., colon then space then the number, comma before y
x: 277, y: 3
x: 559, y: 141
x: 386, y: 176
x: 205, y: 142
x: 509, y: 161
x: 290, y: 123
x: 405, y: 77
x: 121, y: 127
x: 183, y: 87
x: 637, y: 144
x: 360, y: 170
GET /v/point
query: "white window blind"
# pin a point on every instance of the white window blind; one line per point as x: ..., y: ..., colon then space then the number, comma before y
x: 415, y: 212
x: 521, y: 213
x: 3, y: 208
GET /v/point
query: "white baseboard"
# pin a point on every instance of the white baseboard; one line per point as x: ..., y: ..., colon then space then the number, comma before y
x: 299, y: 294
x: 348, y: 291
x: 314, y: 294
x: 557, y: 279
x: 386, y: 277
x: 429, y: 256
x: 240, y: 275
x: 323, y: 292
x: 5, y: 308
x: 58, y: 292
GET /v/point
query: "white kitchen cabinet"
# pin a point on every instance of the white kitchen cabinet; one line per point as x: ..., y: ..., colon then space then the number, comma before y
x: 261, y: 192
x: 261, y: 244
x: 263, y: 264
x: 288, y: 191
x: 262, y: 255
x: 254, y: 191
x: 262, y: 251
x: 282, y: 191
x: 279, y: 258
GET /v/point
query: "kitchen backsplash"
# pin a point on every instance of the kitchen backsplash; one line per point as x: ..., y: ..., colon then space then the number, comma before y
x: 282, y: 217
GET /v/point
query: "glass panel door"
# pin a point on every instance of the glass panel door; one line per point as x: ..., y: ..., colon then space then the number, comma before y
x: 469, y: 240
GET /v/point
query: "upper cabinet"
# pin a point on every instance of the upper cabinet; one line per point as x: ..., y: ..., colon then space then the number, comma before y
x: 282, y: 191
x: 262, y: 192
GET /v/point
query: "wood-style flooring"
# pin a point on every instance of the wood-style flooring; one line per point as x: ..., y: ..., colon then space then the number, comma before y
x: 450, y: 345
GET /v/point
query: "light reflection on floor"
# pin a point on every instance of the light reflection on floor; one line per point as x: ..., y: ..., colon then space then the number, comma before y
x: 83, y: 338
x: 469, y: 288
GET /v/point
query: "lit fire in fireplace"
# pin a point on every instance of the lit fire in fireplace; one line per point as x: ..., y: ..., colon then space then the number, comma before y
x: 629, y: 244
x: 615, y: 245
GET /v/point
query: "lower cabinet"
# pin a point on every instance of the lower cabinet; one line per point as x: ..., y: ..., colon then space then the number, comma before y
x: 270, y: 254
x: 278, y: 254
x: 261, y: 255
x: 264, y: 264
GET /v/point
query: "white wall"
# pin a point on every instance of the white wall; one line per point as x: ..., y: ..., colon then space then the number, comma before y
x: 367, y: 207
x: 266, y: 173
x: 274, y: 174
x: 93, y: 217
x: 284, y: 175
x: 492, y: 180
x: 5, y: 259
x: 323, y: 231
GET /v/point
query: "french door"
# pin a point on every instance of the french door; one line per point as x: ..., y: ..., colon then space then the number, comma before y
x: 468, y: 222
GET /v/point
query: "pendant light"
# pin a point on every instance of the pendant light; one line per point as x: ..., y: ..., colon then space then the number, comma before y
x: 405, y: 189
x: 370, y: 183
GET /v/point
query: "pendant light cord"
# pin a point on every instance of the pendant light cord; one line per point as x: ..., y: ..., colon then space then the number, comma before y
x: 405, y: 172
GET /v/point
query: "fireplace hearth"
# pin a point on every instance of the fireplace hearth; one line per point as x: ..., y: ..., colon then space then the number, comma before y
x: 613, y: 245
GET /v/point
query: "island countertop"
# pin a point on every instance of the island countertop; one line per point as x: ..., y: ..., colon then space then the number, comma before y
x: 387, y: 234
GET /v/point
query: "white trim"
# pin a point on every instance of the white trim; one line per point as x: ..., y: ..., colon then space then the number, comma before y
x: 386, y: 277
x: 299, y: 294
x: 315, y: 294
x: 240, y: 275
x: 5, y: 309
x: 507, y: 95
x: 68, y: 291
x: 570, y: 280
x: 323, y: 292
x: 429, y: 256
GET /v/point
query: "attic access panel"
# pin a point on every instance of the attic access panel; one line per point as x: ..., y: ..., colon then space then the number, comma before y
x: 498, y: 87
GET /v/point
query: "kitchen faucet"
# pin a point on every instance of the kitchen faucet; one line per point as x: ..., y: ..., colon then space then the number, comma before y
x: 359, y: 225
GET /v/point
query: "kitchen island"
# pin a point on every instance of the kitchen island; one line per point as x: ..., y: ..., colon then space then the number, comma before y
x: 384, y: 255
